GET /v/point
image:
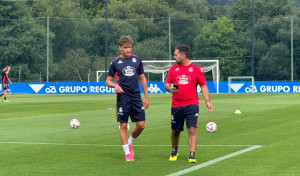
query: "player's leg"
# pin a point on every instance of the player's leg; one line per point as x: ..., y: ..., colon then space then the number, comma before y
x: 123, y: 109
x: 193, y: 140
x: 192, y: 112
x: 177, y: 121
x: 5, y: 94
x: 138, y: 116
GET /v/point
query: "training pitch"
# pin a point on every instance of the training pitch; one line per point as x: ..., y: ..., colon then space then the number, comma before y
x: 36, y: 139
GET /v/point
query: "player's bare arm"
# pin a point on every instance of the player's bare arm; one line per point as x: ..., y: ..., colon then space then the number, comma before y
x: 205, y: 94
x: 170, y: 88
x: 109, y: 82
x: 145, y: 89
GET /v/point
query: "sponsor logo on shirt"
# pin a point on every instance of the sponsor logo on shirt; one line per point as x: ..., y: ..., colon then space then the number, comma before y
x: 183, y: 79
x: 128, y: 71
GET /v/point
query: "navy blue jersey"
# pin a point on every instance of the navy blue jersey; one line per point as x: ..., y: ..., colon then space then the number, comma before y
x: 4, y: 77
x: 127, y: 71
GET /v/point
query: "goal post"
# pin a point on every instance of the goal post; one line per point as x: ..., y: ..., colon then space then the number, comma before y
x: 162, y: 67
x: 99, y: 75
x: 236, y: 82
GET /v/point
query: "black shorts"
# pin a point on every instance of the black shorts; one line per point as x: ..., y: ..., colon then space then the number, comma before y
x: 189, y: 113
x: 129, y: 107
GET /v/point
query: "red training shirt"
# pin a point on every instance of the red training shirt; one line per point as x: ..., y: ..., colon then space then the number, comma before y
x: 187, y: 78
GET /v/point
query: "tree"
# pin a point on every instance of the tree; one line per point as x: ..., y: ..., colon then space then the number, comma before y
x: 22, y: 40
x: 220, y: 40
x: 275, y: 65
x: 242, y: 9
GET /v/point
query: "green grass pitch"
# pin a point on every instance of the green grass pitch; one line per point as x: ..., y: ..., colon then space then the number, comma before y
x: 36, y: 140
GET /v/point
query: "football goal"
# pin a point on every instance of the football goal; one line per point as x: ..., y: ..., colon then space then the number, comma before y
x: 235, y: 83
x: 161, y: 67
x: 156, y: 70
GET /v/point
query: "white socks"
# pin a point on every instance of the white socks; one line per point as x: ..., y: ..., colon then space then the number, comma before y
x: 126, y: 149
x: 130, y: 140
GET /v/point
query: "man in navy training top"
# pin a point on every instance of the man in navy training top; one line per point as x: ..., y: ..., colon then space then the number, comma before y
x: 128, y: 70
x: 182, y: 81
x: 4, y: 82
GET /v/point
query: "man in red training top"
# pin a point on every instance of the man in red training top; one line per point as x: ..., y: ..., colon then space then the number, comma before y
x: 182, y: 81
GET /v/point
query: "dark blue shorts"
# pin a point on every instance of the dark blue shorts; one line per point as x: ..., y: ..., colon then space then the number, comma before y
x: 188, y: 113
x: 128, y: 106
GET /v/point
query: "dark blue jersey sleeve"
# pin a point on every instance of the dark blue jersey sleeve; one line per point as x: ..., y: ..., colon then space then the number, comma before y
x: 111, y: 71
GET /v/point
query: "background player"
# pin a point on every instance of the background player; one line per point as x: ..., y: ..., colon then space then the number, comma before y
x: 185, y: 104
x: 5, y: 81
x: 128, y: 69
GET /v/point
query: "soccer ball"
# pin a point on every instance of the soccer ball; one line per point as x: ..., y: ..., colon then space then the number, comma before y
x: 74, y: 123
x: 211, y: 127
x: 128, y: 127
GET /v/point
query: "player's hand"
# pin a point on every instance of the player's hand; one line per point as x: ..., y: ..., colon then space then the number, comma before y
x: 146, y: 103
x: 209, y: 106
x: 174, y: 90
x: 119, y: 89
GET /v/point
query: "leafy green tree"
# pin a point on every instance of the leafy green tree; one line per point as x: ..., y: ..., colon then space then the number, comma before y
x: 220, y: 40
x: 275, y: 65
x: 22, y: 40
x: 242, y: 9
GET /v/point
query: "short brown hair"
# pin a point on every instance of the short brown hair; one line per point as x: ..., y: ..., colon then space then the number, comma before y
x: 125, y: 39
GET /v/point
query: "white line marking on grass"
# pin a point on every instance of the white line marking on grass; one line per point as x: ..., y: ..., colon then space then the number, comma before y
x: 214, y: 161
x: 109, y: 145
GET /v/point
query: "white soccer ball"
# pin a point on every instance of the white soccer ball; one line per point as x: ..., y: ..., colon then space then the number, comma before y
x: 74, y: 123
x: 128, y: 127
x: 211, y: 127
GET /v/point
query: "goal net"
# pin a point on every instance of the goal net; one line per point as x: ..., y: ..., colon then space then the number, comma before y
x: 235, y: 83
x: 156, y: 70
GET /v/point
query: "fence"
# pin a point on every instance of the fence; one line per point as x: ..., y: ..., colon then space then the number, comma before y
x: 72, y: 50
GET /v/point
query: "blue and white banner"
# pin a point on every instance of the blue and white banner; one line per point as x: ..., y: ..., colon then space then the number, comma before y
x: 153, y: 87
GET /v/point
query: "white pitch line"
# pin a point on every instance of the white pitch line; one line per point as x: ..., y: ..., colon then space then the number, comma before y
x: 191, y: 169
x: 109, y: 145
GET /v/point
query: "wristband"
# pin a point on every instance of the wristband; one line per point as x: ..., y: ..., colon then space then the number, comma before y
x: 207, y: 101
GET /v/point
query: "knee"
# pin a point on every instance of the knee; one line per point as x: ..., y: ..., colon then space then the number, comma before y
x: 192, y: 131
x: 140, y: 126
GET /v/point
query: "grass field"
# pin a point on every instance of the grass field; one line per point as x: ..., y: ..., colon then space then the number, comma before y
x: 36, y: 140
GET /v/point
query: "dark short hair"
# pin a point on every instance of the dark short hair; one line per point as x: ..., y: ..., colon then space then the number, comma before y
x: 125, y: 39
x: 184, y: 49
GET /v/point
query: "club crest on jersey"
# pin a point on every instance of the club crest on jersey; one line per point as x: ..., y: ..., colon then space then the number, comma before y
x: 176, y: 69
x: 120, y: 111
x: 128, y: 71
x: 120, y: 62
x: 183, y: 79
x: 191, y: 69
x: 133, y: 60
